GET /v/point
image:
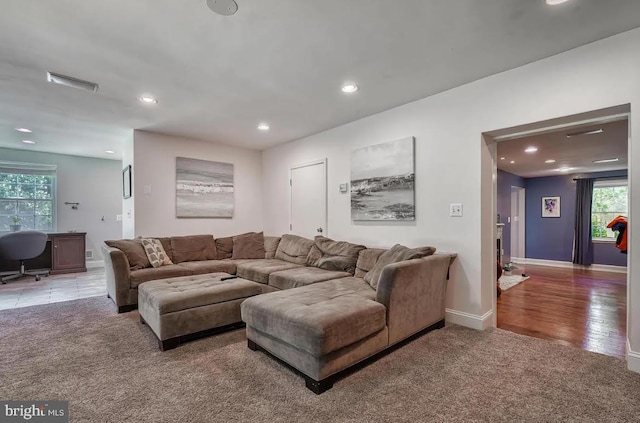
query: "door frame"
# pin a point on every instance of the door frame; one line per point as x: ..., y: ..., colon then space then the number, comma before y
x: 323, y: 162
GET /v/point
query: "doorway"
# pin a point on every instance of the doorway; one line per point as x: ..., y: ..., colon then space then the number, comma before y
x: 585, y: 307
x: 308, y: 212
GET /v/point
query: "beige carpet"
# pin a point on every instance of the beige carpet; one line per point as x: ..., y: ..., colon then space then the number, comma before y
x: 109, y: 368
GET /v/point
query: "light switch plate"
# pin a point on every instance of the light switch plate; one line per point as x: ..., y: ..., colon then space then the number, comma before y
x: 344, y: 187
x: 455, y: 210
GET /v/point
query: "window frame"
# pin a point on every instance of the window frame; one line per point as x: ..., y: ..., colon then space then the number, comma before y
x: 609, y: 183
x: 39, y: 170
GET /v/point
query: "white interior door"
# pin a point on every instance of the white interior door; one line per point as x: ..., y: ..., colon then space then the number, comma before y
x: 517, y: 224
x: 308, y: 216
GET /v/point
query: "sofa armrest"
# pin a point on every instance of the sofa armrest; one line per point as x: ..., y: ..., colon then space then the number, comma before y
x: 118, y: 274
x: 413, y: 291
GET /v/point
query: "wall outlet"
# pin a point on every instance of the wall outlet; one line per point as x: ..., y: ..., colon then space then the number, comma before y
x: 508, y: 220
x: 455, y: 210
x: 147, y: 190
x: 118, y: 217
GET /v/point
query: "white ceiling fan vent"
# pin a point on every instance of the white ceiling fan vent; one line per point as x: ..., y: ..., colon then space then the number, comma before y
x: 72, y: 82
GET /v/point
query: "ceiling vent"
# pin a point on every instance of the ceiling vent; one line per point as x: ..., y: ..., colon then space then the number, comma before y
x: 69, y: 81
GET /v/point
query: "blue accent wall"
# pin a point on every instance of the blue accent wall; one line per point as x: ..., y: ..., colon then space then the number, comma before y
x: 504, y: 183
x: 552, y: 238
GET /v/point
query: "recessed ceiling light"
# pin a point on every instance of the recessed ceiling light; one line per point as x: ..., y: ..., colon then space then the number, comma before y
x: 502, y: 158
x: 555, y: 2
x: 512, y: 161
x: 531, y: 149
x: 148, y: 99
x: 263, y: 127
x: 23, y: 130
x: 591, y: 132
x: 349, y: 88
x: 614, y: 159
x: 28, y: 142
x: 550, y: 161
x: 109, y: 151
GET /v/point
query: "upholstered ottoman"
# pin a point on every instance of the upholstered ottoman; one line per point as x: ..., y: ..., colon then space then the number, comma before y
x: 188, y: 307
x: 319, y: 329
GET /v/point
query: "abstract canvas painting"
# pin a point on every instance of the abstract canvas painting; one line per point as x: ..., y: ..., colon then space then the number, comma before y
x: 382, y: 181
x: 203, y: 188
x: 550, y: 206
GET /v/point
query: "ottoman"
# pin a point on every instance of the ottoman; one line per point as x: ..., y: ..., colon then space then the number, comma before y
x: 189, y: 307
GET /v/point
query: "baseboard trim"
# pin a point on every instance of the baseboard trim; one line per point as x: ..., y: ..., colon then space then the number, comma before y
x: 633, y: 359
x: 570, y: 265
x: 469, y: 320
x: 94, y: 264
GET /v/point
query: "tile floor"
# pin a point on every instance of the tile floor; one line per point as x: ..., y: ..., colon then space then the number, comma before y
x: 52, y: 289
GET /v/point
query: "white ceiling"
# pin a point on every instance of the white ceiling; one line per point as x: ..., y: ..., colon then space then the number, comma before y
x: 279, y: 61
x: 576, y: 153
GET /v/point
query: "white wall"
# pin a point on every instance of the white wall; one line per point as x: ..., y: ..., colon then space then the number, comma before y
x: 453, y: 164
x: 154, y: 165
x: 94, y: 183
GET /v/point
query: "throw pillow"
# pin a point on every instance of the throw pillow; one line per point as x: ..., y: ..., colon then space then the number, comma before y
x: 133, y: 250
x: 395, y: 254
x: 248, y: 246
x: 270, y: 246
x: 224, y: 247
x: 155, y: 252
x: 193, y: 248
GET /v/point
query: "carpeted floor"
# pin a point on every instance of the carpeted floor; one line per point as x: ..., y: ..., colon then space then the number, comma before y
x: 109, y: 368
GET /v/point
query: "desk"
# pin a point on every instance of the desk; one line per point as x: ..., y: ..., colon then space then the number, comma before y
x: 64, y: 253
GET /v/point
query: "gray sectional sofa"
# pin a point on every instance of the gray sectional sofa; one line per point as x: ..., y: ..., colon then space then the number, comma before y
x: 327, y: 305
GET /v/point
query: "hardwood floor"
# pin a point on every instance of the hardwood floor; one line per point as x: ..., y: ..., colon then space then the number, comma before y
x: 582, y: 308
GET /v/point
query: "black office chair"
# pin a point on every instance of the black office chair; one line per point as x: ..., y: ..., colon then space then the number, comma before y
x: 23, y: 245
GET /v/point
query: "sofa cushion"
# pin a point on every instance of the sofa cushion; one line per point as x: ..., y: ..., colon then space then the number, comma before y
x: 259, y: 270
x: 166, y: 244
x: 366, y: 260
x: 193, y: 248
x: 333, y: 255
x: 133, y: 250
x: 149, y: 274
x: 270, y: 246
x: 210, y: 266
x: 155, y: 252
x: 317, y: 319
x: 301, y: 276
x: 396, y: 254
x: 248, y: 246
x: 294, y: 249
x: 224, y: 247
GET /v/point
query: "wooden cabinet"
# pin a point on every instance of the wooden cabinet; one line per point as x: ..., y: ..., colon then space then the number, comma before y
x: 68, y: 252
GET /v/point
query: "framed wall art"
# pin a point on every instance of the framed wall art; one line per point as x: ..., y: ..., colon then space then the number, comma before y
x: 550, y: 206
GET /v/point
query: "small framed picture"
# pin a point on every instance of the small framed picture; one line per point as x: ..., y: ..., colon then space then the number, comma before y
x: 126, y: 182
x: 550, y: 206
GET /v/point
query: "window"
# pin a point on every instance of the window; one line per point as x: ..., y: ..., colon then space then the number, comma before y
x: 27, y: 196
x: 610, y: 199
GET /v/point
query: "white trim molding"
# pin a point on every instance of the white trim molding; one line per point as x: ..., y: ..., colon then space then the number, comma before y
x: 94, y: 264
x: 472, y: 321
x: 633, y: 359
x: 570, y: 265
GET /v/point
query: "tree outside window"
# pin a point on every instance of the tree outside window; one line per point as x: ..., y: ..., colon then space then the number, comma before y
x: 608, y: 202
x: 27, y: 197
